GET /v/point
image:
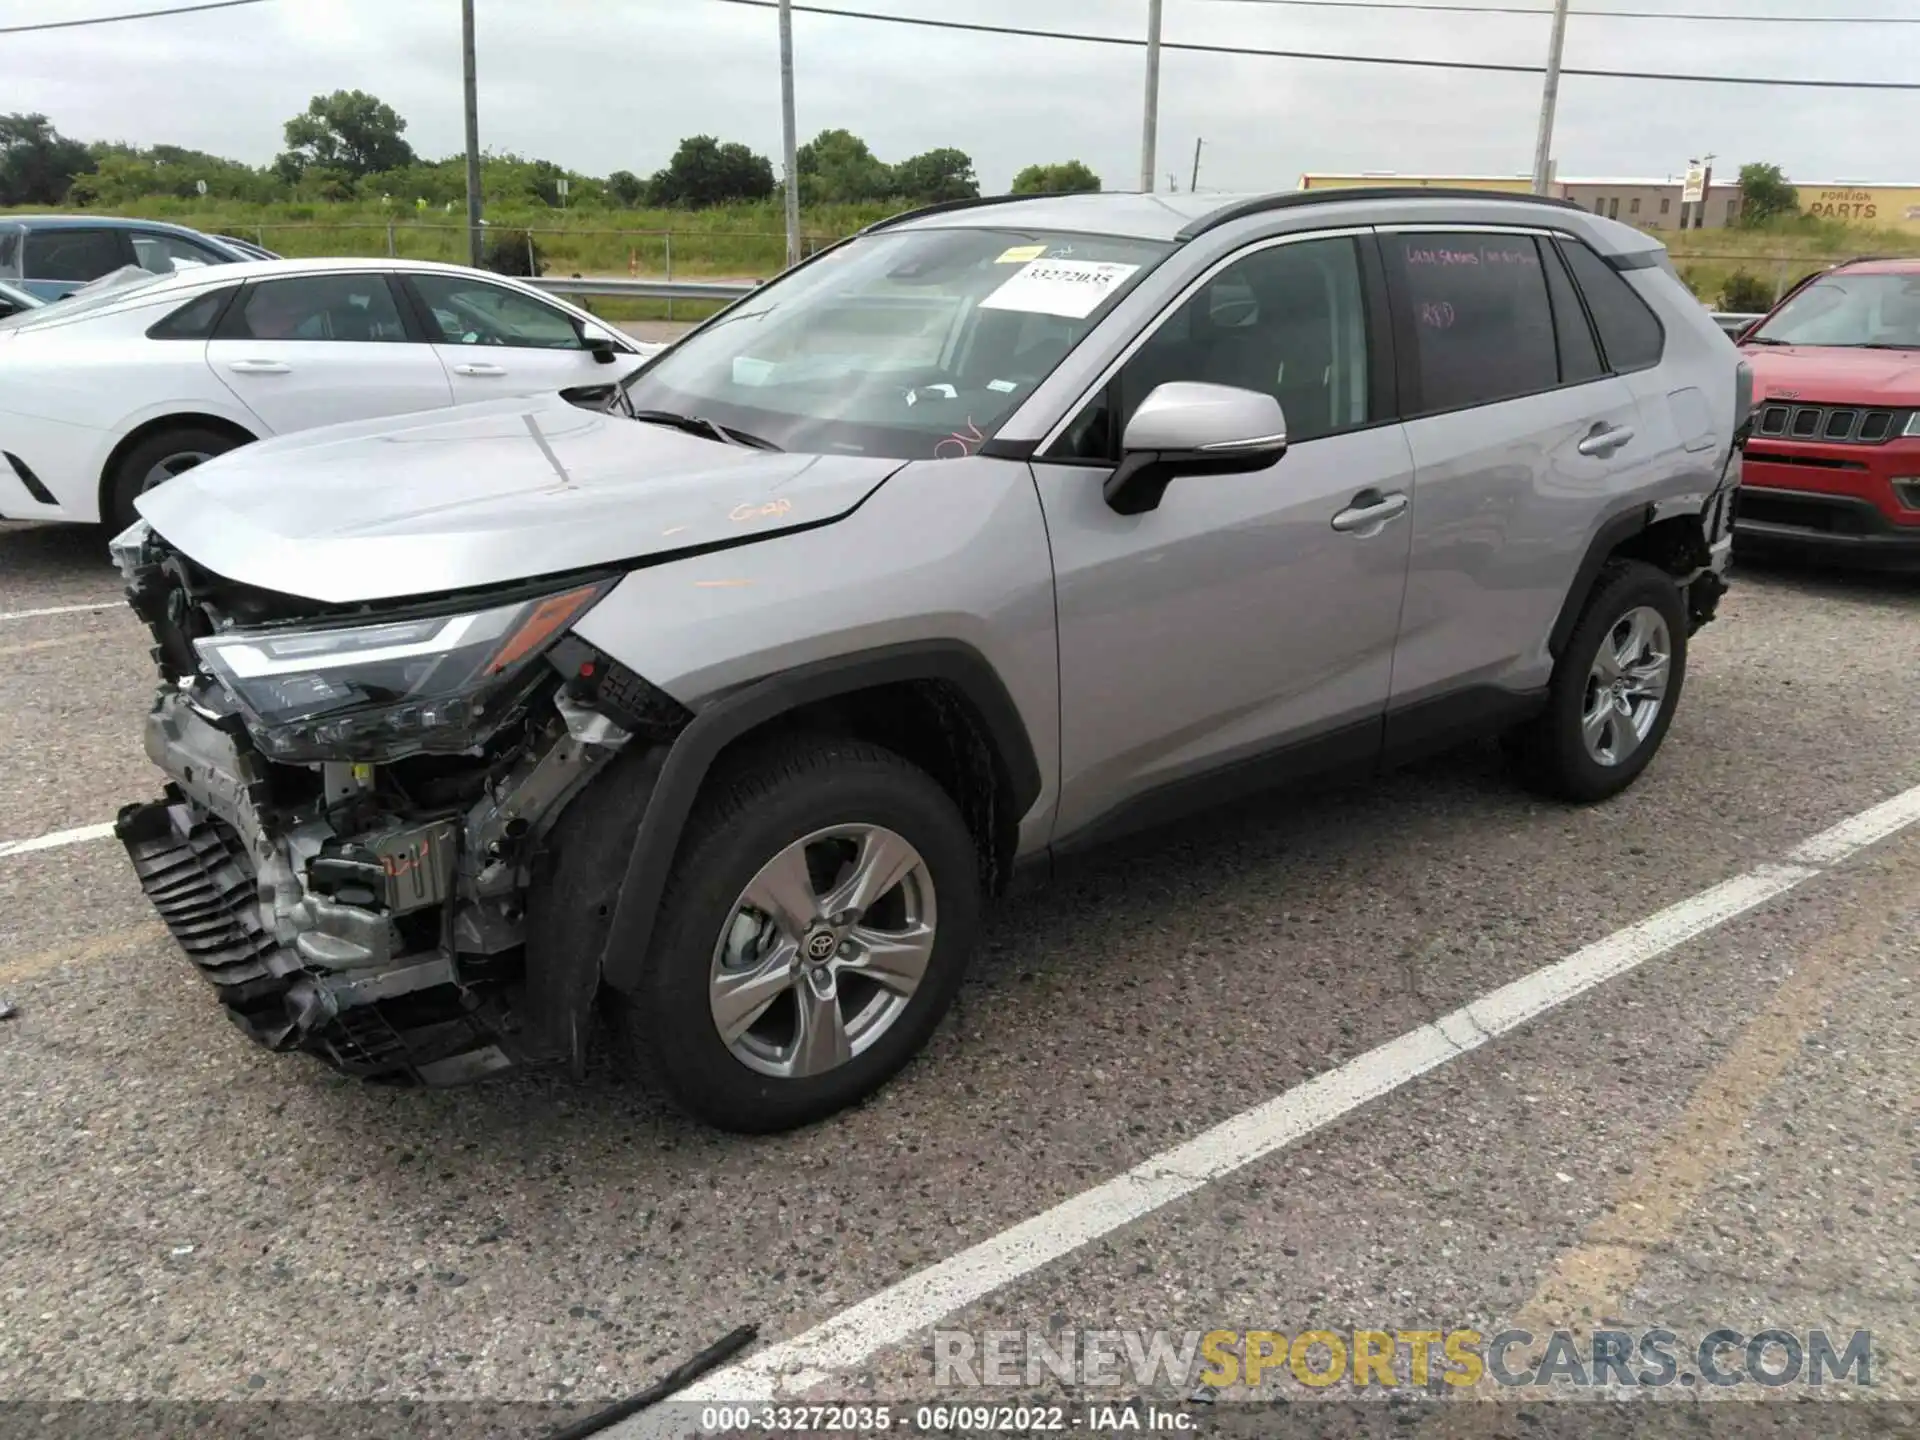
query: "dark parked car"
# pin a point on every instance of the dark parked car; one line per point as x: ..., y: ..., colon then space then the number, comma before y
x: 53, y: 255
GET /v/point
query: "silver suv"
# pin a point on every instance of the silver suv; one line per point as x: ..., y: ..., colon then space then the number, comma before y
x: 715, y: 702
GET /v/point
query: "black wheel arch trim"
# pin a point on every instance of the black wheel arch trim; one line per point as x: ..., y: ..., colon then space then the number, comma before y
x: 1614, y: 532
x: 693, y: 753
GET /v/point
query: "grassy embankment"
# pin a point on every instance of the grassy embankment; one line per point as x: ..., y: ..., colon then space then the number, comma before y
x: 1775, y: 256
x: 747, y: 240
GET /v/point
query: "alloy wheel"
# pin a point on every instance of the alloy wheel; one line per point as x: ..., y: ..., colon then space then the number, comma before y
x: 169, y: 466
x: 823, y: 951
x: 1627, y: 685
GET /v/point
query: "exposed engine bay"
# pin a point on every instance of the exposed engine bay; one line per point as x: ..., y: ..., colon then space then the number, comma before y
x: 359, y: 801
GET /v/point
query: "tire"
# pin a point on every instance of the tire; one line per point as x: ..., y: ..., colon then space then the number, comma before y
x: 830, y: 802
x: 172, y: 450
x: 1564, y: 753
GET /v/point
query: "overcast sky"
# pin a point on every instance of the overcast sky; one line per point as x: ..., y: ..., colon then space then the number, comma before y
x: 600, y: 85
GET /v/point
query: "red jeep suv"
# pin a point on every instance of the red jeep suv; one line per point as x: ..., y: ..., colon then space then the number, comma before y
x: 1832, y: 462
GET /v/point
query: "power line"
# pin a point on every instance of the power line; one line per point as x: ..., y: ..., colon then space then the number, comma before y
x: 132, y: 15
x: 1427, y: 5
x: 1489, y: 66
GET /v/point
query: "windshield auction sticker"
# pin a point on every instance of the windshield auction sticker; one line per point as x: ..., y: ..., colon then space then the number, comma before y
x: 1072, y: 289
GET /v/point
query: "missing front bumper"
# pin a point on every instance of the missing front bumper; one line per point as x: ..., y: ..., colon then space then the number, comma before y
x: 413, y: 1022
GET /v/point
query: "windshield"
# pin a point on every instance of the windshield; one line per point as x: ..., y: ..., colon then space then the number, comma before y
x: 1849, y: 309
x: 914, y: 344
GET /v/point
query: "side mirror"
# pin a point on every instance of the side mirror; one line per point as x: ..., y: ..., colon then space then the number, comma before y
x: 1188, y: 428
x: 602, y: 346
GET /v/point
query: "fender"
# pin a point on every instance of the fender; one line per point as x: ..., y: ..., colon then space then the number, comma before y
x: 695, y: 749
x: 1615, y: 530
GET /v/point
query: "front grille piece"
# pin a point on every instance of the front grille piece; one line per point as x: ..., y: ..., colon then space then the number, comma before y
x: 200, y: 880
x: 1831, y: 424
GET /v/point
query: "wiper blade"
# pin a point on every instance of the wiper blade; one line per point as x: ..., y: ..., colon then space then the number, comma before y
x: 1764, y: 340
x: 702, y: 425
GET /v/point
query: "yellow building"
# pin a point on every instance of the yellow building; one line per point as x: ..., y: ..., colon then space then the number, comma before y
x: 1895, y: 207
x: 1654, y: 204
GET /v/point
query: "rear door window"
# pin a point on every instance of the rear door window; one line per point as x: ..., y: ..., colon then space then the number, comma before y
x: 1474, y: 307
x: 9, y: 253
x: 164, y: 254
x: 1630, y: 332
x: 73, y: 254
x: 353, y: 307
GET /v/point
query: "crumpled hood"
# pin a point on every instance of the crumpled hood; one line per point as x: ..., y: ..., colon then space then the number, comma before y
x: 485, y: 494
x: 1834, y: 375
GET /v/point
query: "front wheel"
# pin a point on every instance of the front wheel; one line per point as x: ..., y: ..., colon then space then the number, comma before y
x: 1614, y: 689
x: 156, y: 460
x: 814, y: 931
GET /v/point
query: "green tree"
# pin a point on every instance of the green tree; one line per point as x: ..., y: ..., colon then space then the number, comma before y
x: 1744, y: 293
x: 935, y: 177
x: 1071, y: 177
x: 37, y: 162
x: 837, y: 168
x: 1765, y: 194
x: 628, y: 189
x: 705, y: 172
x: 325, y: 182
x: 124, y: 173
x: 350, y: 131
x: 512, y: 252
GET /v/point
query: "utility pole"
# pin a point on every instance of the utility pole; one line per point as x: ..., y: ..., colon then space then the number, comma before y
x: 1149, y: 130
x: 1193, y: 183
x: 475, y: 250
x: 1549, y: 96
x: 787, y: 137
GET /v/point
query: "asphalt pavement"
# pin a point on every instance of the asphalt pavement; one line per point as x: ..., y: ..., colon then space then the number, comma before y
x: 1720, y: 1132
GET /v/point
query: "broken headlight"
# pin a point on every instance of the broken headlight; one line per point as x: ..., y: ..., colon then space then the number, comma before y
x: 379, y: 692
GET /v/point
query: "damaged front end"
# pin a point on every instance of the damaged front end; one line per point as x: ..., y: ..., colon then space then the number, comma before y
x: 358, y: 806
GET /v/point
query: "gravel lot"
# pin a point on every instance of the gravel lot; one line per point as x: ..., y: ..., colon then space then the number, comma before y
x: 1726, y: 1136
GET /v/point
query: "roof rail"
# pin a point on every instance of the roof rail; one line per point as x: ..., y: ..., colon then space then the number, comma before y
x: 1288, y: 199
x: 945, y: 205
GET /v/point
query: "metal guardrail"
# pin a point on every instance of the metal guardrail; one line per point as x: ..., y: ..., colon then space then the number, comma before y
x: 646, y: 289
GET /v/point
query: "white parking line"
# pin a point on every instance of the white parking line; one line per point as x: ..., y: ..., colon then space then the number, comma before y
x: 1856, y: 832
x: 56, y: 839
x: 61, y: 610
x: 898, y: 1312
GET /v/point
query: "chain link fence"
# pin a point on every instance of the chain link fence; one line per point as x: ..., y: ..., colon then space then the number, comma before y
x: 560, y: 250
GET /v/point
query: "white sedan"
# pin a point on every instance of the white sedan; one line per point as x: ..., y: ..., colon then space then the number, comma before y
x: 110, y: 393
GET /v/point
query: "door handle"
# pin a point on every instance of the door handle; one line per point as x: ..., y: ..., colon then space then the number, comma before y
x: 1605, y: 439
x: 1369, y: 510
x: 474, y: 368
x: 260, y: 367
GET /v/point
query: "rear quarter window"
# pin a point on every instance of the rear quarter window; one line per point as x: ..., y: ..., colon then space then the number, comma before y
x: 195, y: 319
x: 1630, y: 333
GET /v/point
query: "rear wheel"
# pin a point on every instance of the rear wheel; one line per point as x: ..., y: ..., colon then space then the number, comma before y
x: 1614, y: 689
x: 156, y: 460
x: 813, y: 933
